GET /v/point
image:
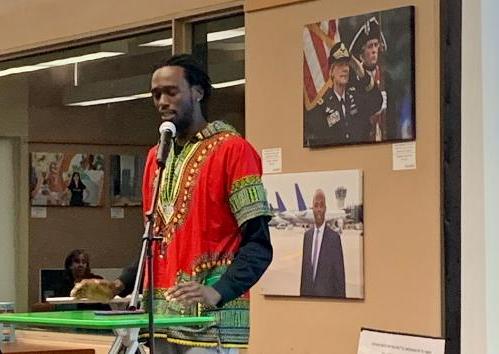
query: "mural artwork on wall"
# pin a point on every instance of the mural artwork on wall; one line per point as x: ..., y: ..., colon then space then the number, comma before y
x: 126, y: 180
x: 358, y: 79
x: 317, y: 234
x: 66, y: 179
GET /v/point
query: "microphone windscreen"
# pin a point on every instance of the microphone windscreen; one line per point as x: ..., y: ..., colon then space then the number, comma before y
x: 168, y: 126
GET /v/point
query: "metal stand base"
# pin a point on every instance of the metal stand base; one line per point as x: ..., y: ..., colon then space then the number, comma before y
x: 126, y: 341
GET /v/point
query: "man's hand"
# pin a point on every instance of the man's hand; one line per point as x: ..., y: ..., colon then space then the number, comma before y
x: 357, y: 66
x: 192, y: 292
x: 96, y: 289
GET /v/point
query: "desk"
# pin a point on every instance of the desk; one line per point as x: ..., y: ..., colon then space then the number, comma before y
x: 48, y: 342
x: 126, y: 326
x: 18, y: 348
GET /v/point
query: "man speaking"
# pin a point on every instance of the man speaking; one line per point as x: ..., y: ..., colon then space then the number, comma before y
x: 212, y: 216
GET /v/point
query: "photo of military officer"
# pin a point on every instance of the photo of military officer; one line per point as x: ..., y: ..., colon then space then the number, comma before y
x: 355, y: 90
x: 342, y: 116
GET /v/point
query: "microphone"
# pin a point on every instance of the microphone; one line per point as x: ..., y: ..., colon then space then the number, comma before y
x: 167, y: 131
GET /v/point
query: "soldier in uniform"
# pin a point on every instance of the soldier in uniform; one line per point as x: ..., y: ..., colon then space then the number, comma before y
x: 342, y: 116
x: 367, y: 45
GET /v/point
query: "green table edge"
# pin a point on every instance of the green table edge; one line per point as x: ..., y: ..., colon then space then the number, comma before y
x: 88, y: 319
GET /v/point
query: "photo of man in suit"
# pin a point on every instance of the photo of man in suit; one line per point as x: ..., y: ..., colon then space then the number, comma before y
x: 323, y: 271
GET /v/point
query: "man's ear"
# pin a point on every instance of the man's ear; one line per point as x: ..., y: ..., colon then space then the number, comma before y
x: 197, y: 93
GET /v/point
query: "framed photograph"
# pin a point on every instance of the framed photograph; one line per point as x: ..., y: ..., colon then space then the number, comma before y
x: 358, y: 79
x: 317, y: 234
x: 66, y: 179
x: 126, y: 180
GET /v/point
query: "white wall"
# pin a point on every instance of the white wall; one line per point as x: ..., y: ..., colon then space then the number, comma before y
x: 7, y: 222
x: 490, y: 87
x: 480, y: 178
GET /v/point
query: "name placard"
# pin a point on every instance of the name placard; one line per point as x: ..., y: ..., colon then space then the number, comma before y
x: 380, y: 342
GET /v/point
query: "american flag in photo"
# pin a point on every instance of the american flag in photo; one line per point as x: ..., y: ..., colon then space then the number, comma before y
x: 318, y: 39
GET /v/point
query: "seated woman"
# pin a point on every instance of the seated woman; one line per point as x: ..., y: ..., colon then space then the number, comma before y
x: 77, y: 268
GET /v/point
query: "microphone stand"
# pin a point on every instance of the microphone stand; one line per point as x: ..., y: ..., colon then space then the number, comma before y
x: 147, y: 241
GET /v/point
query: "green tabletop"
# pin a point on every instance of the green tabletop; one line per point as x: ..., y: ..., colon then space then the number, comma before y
x: 88, y: 319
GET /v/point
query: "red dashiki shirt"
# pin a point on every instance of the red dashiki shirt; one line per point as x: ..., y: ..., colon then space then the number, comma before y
x: 207, y: 192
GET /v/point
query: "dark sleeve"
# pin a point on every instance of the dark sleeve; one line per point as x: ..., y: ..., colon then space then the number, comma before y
x: 63, y: 287
x: 127, y: 277
x: 372, y: 101
x: 253, y: 258
x: 315, y: 124
x: 369, y: 102
x: 369, y: 94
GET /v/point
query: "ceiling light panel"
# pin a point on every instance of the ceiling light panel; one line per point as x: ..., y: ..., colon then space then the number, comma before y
x: 58, y: 62
x: 110, y: 100
x: 211, y: 37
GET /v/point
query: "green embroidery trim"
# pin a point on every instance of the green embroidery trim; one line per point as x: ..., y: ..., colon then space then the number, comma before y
x: 192, y: 343
x: 208, y: 272
x: 248, y: 199
x: 231, y: 325
x: 171, y: 181
x: 216, y: 127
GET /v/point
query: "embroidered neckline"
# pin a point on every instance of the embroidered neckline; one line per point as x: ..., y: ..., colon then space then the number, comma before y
x: 176, y: 163
x: 180, y: 176
x: 213, y: 128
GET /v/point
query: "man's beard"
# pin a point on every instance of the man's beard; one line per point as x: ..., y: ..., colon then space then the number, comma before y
x: 184, y: 122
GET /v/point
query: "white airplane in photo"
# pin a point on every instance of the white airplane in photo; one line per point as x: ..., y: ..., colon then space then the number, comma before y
x: 277, y: 221
x: 304, y: 215
x: 284, y: 213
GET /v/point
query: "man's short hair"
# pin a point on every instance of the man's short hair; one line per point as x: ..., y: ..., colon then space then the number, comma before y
x: 319, y: 192
x: 193, y: 71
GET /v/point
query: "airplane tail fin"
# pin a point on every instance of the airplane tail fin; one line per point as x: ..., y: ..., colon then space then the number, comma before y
x: 280, y: 203
x: 299, y: 197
